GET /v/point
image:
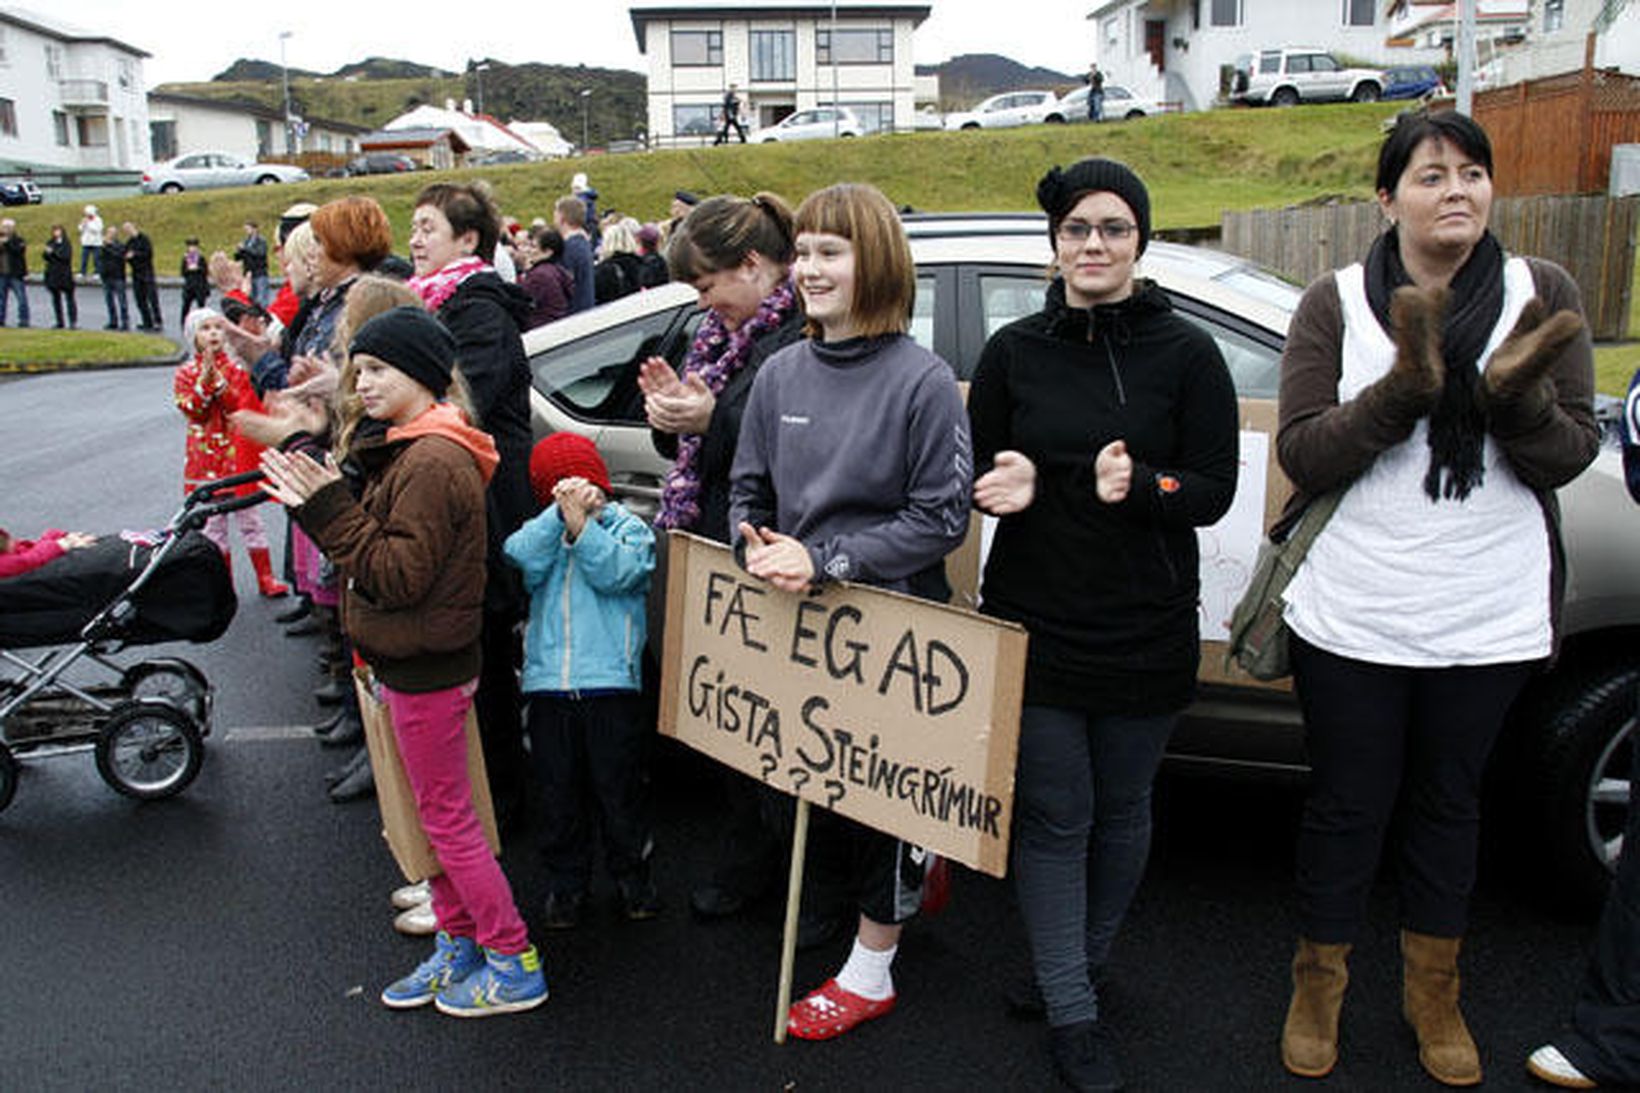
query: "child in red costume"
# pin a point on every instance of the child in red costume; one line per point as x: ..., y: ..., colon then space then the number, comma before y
x: 19, y: 556
x: 208, y: 388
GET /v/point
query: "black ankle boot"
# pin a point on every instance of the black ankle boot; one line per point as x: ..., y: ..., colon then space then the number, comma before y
x: 1083, y: 1058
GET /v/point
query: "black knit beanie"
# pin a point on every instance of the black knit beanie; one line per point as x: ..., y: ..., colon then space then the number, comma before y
x: 1062, y: 187
x: 412, y: 341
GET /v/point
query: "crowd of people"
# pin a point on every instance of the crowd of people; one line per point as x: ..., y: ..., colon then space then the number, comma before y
x: 1439, y: 390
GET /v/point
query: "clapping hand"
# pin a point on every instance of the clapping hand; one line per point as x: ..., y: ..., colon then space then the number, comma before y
x: 779, y: 559
x: 1113, y: 472
x: 292, y: 478
x: 1527, y: 353
x: 673, y: 405
x: 1009, y: 486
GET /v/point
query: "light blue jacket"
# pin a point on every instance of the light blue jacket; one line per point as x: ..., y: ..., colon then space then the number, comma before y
x: 587, y: 600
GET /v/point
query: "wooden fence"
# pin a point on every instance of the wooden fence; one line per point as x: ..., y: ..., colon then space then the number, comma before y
x: 1593, y: 237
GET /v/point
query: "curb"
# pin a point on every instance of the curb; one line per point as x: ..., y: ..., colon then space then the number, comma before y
x: 33, y: 368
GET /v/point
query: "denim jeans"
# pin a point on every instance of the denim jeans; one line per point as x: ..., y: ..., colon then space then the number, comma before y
x: 259, y: 289
x: 119, y: 310
x: 8, y: 287
x: 1082, y: 838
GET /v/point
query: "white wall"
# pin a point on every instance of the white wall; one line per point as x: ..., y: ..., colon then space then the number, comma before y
x: 37, y: 94
x: 201, y: 129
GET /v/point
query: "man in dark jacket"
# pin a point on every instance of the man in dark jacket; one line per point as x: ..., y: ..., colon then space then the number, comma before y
x: 252, y: 253
x: 731, y: 117
x: 139, y: 255
x: 111, y: 272
x: 13, y: 268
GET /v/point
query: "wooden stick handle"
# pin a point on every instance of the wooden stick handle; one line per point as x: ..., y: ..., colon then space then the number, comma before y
x: 794, y: 899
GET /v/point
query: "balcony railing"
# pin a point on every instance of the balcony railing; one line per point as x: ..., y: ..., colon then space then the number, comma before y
x: 83, y: 92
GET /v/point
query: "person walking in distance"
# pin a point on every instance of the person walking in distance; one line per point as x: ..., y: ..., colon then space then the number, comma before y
x: 731, y: 117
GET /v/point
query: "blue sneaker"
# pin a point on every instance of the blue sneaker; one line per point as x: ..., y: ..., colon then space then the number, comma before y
x: 453, y: 959
x: 506, y: 984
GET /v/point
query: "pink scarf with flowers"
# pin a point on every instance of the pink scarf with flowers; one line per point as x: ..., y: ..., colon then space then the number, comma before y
x: 441, y: 284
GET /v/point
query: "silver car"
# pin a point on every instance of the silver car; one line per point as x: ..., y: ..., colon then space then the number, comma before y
x: 817, y: 124
x: 209, y: 170
x: 1563, y: 763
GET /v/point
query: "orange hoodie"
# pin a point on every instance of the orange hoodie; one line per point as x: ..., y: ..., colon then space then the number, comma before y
x: 443, y: 419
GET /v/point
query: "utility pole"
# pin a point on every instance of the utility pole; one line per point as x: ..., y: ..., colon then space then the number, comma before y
x: 1466, y: 57
x: 478, y: 72
x: 284, y: 78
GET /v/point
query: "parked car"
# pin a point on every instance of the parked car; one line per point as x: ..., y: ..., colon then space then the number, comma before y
x: 1412, y: 82
x: 1564, y: 757
x: 1008, y: 109
x: 817, y: 124
x: 207, y: 170
x: 1286, y: 77
x: 380, y: 163
x: 1120, y: 104
x: 499, y: 158
x: 19, y: 191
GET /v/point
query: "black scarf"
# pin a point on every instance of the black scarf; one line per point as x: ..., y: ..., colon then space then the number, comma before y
x: 1457, y: 426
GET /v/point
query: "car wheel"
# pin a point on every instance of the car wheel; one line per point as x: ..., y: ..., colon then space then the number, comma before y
x: 1284, y: 96
x: 267, y: 180
x: 971, y: 125
x: 171, y: 188
x: 1367, y: 92
x: 1055, y: 119
x: 1131, y: 114
x: 1580, y: 773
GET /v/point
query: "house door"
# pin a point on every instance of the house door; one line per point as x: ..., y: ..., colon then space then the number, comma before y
x: 1156, y: 42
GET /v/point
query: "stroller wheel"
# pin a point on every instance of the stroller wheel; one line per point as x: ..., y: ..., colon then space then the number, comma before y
x: 149, y: 750
x: 8, y: 777
x: 172, y: 679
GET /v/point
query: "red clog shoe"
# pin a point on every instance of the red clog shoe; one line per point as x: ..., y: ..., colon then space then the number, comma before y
x: 832, y: 1011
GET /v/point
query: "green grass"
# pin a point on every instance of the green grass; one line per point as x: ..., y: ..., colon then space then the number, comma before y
x: 1616, y: 363
x: 1197, y: 166
x: 31, y: 350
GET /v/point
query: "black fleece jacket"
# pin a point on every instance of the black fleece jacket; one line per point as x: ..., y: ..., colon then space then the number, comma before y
x: 1108, y: 592
x: 488, y: 317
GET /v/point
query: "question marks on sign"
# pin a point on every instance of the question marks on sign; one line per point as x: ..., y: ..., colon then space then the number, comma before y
x: 834, y: 792
x: 799, y: 777
x: 769, y: 763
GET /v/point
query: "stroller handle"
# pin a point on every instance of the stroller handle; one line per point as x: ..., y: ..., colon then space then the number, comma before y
x: 196, y: 516
x: 209, y: 490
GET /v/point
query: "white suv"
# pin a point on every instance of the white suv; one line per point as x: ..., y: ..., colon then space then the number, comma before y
x: 1287, y: 77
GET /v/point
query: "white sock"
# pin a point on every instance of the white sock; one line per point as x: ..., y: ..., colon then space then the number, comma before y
x: 867, y: 972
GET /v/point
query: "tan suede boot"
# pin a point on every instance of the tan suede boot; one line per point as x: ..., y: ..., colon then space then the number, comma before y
x: 1309, y: 1039
x: 1430, y: 1004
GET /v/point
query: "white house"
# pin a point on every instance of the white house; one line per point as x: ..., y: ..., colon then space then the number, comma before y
x: 544, y: 135
x: 180, y: 124
x: 1557, y: 33
x: 1182, y: 50
x: 71, y: 100
x: 479, y: 132
x: 782, y: 57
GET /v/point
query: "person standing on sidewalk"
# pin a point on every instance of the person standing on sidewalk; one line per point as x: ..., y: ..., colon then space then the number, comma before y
x: 1096, y: 94
x: 196, y: 278
x: 111, y: 271
x: 13, y: 270
x: 60, y: 276
x: 252, y: 254
x: 91, y: 237
x: 139, y: 254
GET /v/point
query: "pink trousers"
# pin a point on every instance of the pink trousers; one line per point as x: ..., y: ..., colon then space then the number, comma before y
x: 471, y: 898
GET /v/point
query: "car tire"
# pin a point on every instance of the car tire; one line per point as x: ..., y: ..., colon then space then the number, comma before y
x: 171, y: 188
x: 1131, y: 114
x: 1579, y: 773
x: 1054, y: 119
x: 267, y: 180
x: 971, y: 125
x: 1367, y: 92
x: 1284, y: 96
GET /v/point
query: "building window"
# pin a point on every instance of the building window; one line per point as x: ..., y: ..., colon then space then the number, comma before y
x: 875, y: 117
x: 1195, y: 14
x: 854, y: 47
x: 5, y: 58
x: 1226, y: 13
x: 8, y: 117
x: 696, y: 48
x: 1112, y: 35
x: 59, y: 127
x: 162, y: 139
x: 264, y: 138
x: 54, y: 61
x: 1358, y: 13
x: 695, y: 119
x: 1554, y: 15
x: 127, y: 75
x: 774, y: 56
x: 91, y: 130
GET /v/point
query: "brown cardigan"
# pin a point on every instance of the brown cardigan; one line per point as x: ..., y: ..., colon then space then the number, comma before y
x: 412, y: 549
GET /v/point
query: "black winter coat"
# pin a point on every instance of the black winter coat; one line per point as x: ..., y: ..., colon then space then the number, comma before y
x: 1108, y: 592
x: 111, y: 261
x: 139, y: 253
x: 488, y: 317
x: 60, y: 264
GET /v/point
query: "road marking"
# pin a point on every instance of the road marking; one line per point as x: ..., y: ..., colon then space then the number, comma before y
x: 261, y: 734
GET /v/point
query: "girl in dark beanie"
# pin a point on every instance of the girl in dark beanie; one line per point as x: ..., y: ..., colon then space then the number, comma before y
x: 1105, y: 433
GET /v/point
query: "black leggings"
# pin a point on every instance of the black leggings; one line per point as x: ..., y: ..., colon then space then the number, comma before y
x: 1384, y: 740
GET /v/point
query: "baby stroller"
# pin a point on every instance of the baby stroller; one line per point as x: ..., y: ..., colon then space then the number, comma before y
x: 147, y: 727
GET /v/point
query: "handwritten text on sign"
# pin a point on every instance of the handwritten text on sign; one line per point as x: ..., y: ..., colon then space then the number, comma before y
x: 896, y: 712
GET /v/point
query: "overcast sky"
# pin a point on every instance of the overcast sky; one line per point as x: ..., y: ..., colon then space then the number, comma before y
x: 192, y: 41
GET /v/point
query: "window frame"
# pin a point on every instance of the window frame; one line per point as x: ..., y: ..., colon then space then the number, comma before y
x: 714, y: 47
x: 767, y: 35
x: 823, y: 51
x: 1237, y: 14
x: 8, y: 117
x: 710, y: 110
x: 1355, y: 8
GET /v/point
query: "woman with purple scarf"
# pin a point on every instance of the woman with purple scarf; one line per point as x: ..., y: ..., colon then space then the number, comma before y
x: 737, y: 254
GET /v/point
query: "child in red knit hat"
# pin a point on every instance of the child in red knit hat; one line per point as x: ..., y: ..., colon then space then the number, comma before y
x: 586, y: 563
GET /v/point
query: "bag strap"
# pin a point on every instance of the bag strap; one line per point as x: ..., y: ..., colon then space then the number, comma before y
x: 1315, y: 517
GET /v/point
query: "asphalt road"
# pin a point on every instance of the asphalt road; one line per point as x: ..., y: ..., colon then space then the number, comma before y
x: 236, y: 936
x: 93, y: 308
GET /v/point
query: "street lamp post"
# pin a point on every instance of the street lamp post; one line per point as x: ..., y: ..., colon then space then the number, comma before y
x: 586, y: 99
x: 478, y: 73
x: 284, y: 78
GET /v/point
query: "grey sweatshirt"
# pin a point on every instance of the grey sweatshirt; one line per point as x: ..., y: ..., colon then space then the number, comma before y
x: 859, y: 450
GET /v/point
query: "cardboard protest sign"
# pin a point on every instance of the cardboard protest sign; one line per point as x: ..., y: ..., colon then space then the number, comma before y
x: 896, y: 712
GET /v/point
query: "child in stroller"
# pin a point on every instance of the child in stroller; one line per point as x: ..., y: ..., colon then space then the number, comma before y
x: 18, y: 556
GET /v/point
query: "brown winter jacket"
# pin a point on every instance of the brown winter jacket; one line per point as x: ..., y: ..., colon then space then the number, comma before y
x: 412, y: 549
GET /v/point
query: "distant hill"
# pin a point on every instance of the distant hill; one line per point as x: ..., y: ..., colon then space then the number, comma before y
x: 374, y: 91
x: 970, y: 77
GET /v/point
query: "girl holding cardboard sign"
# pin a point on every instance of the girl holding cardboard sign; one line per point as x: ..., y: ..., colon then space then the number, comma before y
x: 854, y: 464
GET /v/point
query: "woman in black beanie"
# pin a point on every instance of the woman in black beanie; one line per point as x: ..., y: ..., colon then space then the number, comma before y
x: 1105, y: 433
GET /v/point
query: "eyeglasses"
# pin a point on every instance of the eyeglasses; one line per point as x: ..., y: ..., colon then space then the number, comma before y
x: 1110, y: 231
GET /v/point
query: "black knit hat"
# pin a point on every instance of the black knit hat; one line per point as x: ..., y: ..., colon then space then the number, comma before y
x: 412, y: 341
x: 1062, y: 187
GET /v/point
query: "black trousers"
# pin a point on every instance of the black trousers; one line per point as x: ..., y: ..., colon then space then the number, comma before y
x: 499, y: 707
x: 58, y: 297
x: 1604, y: 1040
x: 756, y: 834
x: 723, y: 134
x: 145, y: 292
x: 1408, y: 744
x: 589, y: 761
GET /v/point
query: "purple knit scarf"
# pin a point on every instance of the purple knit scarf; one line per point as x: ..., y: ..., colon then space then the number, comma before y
x: 716, y: 355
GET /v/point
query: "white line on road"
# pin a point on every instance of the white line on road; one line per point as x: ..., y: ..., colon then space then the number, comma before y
x: 261, y: 734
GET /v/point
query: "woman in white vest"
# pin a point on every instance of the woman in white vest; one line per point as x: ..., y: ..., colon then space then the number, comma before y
x: 1446, y: 388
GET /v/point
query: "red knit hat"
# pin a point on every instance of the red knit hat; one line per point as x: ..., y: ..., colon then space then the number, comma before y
x: 565, y: 455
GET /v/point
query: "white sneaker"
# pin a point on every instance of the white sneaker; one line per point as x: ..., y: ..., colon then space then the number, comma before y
x: 418, y: 921
x: 411, y: 895
x: 1549, y: 1065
